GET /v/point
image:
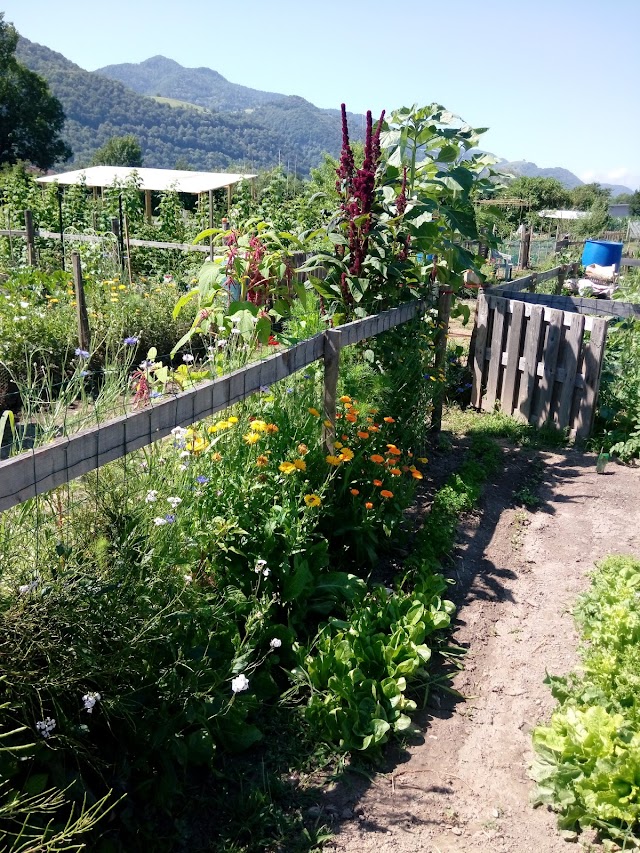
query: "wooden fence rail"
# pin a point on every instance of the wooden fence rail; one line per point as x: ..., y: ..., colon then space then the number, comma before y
x: 35, y: 472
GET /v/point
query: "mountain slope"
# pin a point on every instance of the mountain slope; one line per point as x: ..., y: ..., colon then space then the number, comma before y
x: 97, y: 108
x: 203, y: 86
x: 525, y: 169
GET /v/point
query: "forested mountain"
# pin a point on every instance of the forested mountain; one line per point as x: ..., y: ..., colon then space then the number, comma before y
x: 525, y: 169
x: 203, y: 86
x: 290, y: 130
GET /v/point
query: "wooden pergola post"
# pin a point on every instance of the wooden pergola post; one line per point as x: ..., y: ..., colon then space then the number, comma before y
x: 148, y: 208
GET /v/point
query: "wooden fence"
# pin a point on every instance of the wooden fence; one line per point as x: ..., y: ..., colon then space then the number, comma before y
x: 35, y: 472
x: 540, y: 363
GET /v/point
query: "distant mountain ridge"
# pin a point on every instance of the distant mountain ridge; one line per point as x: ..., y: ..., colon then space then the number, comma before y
x: 524, y: 168
x: 286, y: 130
x: 205, y: 87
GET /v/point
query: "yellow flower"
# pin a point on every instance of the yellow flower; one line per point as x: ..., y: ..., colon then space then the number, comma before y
x: 423, y: 459
x: 262, y: 461
x: 258, y: 426
x: 271, y: 429
x: 122, y: 287
x: 196, y: 445
x: 216, y: 457
x: 328, y: 424
x: 346, y: 454
x: 232, y: 420
x: 52, y: 301
x: 333, y: 460
x: 300, y: 464
x: 345, y: 398
x: 338, y: 444
x: 287, y: 467
x: 251, y: 437
x: 302, y: 449
x: 314, y: 412
x: 312, y: 500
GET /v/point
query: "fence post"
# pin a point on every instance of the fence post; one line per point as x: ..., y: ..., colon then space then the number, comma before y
x: 525, y: 247
x: 31, y: 246
x: 84, y: 333
x: 562, y: 274
x: 332, y: 345
x: 533, y: 282
x: 444, y: 313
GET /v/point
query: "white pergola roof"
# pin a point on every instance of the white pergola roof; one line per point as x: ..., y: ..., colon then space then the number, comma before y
x: 151, y: 179
x: 563, y: 214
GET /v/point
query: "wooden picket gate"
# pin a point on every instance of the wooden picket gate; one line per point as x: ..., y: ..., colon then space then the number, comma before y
x: 539, y: 364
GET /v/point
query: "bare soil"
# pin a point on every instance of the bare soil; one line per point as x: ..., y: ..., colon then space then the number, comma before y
x: 463, y: 786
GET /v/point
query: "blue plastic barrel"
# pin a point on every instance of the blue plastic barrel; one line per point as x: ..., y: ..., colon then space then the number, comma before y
x: 602, y: 252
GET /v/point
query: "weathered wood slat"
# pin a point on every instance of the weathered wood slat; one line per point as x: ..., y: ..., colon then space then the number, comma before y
x: 551, y: 349
x: 530, y: 355
x: 482, y: 319
x: 513, y: 350
x: 36, y: 472
x: 573, y: 342
x: 576, y: 304
x: 499, y: 307
x: 593, y: 357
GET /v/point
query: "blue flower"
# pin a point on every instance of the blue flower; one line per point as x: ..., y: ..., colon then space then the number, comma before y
x: 85, y: 373
x: 155, y: 394
x: 170, y: 518
x: 202, y: 480
x: 82, y: 353
x: 131, y: 342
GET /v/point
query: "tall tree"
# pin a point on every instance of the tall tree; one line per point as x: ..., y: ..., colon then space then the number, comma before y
x: 586, y: 196
x: 119, y: 151
x: 31, y: 118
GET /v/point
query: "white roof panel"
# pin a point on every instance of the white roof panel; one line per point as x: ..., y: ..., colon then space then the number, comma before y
x: 150, y: 179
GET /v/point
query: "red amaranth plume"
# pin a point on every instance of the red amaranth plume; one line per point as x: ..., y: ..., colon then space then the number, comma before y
x: 347, y: 167
x: 401, y: 201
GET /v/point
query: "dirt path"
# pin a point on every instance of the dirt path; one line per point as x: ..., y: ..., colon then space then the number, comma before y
x: 465, y: 788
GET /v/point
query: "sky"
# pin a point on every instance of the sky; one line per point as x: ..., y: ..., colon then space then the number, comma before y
x: 555, y: 82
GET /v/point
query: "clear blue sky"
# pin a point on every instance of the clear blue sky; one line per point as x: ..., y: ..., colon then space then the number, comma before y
x: 556, y: 82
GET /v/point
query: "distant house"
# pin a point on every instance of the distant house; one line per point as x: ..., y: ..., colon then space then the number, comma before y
x: 619, y: 211
x: 563, y: 214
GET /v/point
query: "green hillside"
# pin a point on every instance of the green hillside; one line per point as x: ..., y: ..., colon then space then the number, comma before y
x: 291, y: 131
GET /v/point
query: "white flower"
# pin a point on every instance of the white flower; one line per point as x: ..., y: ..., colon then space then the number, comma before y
x: 178, y: 432
x: 187, y: 578
x: 174, y: 502
x: 159, y: 521
x: 26, y: 588
x: 187, y: 357
x: 184, y: 454
x: 24, y: 304
x: 266, y: 572
x: 46, y: 726
x: 239, y: 683
x: 183, y: 467
x: 89, y: 700
x: 152, y: 495
x: 275, y: 643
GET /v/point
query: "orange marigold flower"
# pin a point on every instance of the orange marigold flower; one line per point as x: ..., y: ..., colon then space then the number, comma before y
x: 377, y: 482
x: 389, y: 420
x: 216, y: 457
x: 374, y: 428
x: 300, y: 464
x: 262, y: 461
x: 377, y: 458
x: 362, y: 434
x: 287, y: 468
x: 348, y: 405
x: 312, y: 500
x: 347, y: 454
x: 393, y: 450
x: 344, y: 437
x: 271, y: 428
x: 351, y: 417
x: 386, y: 493
x: 395, y: 471
x: 345, y: 398
x: 355, y: 491
x: 374, y: 411
x: 406, y: 468
x: 368, y: 505
x: 302, y: 449
x: 417, y: 475
x: 314, y: 412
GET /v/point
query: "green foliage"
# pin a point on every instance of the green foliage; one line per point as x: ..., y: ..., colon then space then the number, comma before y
x: 119, y: 151
x: 538, y: 193
x: 586, y: 196
x: 32, y: 118
x: 588, y: 758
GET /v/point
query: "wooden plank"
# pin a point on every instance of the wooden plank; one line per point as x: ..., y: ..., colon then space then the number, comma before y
x: 592, y: 368
x: 444, y: 314
x: 577, y: 304
x: 6, y: 232
x: 332, y: 345
x: 547, y: 274
x: 573, y: 342
x: 98, y: 238
x: 499, y: 306
x: 550, y: 362
x: 477, y: 365
x: 512, y: 353
x: 528, y: 378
